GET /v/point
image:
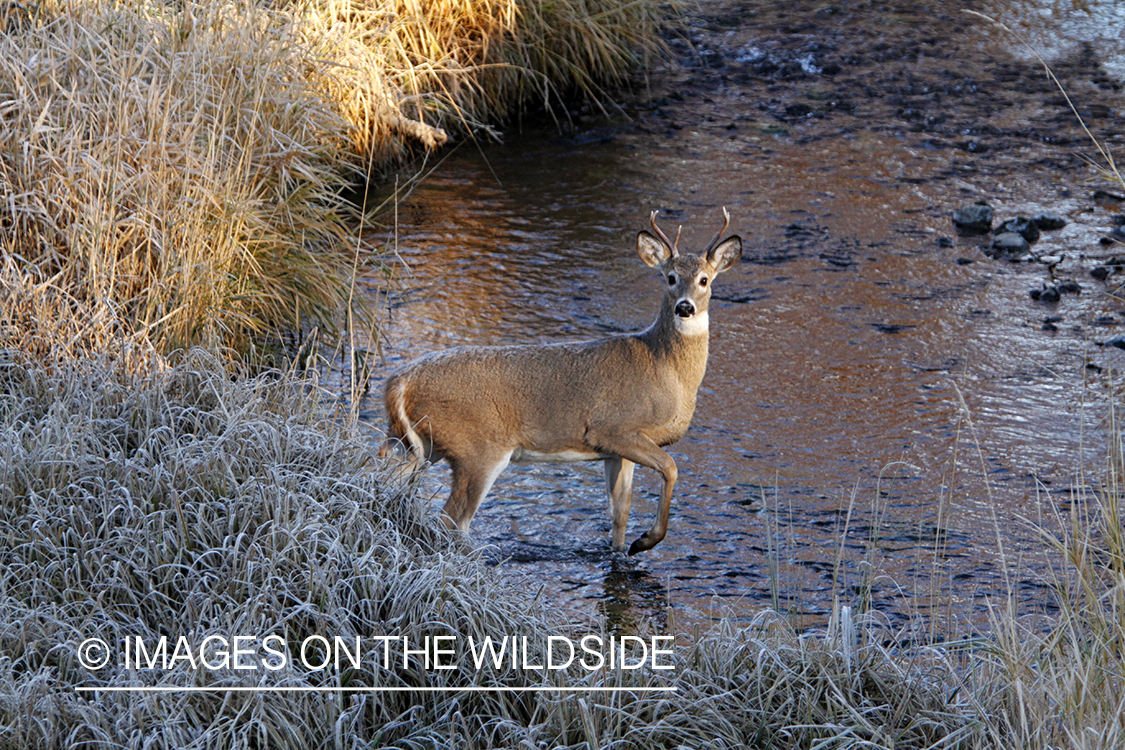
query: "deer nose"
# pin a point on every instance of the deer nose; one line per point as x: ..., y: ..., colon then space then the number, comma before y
x: 685, y: 309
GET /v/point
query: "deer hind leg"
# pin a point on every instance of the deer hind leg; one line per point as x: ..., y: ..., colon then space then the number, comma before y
x: 638, y: 448
x: 619, y: 487
x: 472, y: 479
x: 407, y: 440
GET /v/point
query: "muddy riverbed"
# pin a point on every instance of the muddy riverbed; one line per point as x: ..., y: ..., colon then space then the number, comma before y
x: 886, y: 407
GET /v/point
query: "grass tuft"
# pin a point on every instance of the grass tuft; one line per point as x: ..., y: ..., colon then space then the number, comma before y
x: 176, y: 170
x: 190, y: 503
x: 173, y: 174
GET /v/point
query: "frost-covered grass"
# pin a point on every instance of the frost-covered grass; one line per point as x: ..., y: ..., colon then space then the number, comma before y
x: 192, y: 501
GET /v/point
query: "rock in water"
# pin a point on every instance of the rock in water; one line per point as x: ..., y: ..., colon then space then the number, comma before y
x: 1047, y: 293
x: 1022, y: 226
x: 974, y: 219
x: 1048, y: 222
x: 1008, y: 245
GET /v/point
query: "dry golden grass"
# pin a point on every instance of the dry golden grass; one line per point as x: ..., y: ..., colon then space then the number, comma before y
x: 176, y: 180
x: 407, y: 73
x: 176, y: 170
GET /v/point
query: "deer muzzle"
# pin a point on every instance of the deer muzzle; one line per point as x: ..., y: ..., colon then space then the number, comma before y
x: 685, y: 309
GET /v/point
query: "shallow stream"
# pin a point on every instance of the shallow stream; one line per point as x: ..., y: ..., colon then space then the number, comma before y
x: 886, y: 410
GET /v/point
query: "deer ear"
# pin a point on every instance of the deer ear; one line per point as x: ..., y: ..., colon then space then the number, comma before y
x: 726, y: 253
x: 652, y: 251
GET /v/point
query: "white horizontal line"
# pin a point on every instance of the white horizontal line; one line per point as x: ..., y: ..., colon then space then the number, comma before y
x: 395, y: 689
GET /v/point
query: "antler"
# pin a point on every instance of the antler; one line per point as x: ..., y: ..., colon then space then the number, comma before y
x: 719, y: 234
x: 664, y: 238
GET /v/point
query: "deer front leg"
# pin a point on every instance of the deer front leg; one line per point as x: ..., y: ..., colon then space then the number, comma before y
x: 619, y: 487
x: 638, y: 448
x: 472, y: 479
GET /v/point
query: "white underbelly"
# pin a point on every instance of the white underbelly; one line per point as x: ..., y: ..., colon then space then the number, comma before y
x: 523, y: 456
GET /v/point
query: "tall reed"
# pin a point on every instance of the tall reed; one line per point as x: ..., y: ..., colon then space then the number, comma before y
x: 1060, y: 681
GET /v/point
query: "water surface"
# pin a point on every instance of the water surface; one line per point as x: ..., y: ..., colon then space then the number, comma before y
x: 883, y: 415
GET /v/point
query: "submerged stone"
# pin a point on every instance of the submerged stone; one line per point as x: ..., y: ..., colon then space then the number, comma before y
x: 1047, y: 293
x: 1008, y: 245
x: 973, y: 219
x: 1049, y: 222
x: 1022, y: 226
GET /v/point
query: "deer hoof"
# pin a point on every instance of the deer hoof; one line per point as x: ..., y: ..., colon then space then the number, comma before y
x: 645, y: 542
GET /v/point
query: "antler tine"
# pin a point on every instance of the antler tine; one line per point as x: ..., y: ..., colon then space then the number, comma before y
x: 663, y: 237
x: 719, y: 234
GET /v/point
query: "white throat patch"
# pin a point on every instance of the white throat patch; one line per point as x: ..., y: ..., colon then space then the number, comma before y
x: 696, y: 325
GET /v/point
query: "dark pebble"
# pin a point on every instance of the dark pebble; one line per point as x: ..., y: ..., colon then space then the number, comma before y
x: 1048, y: 222
x: 973, y: 219
x: 1118, y: 341
x: 1101, y: 273
x: 1070, y: 286
x: 1045, y: 294
x: 1008, y: 245
x: 1022, y: 226
x: 1049, y: 327
x: 945, y: 242
x: 964, y: 261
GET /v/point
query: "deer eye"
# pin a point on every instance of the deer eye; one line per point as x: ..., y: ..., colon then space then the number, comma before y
x: 703, y: 281
x: 671, y: 279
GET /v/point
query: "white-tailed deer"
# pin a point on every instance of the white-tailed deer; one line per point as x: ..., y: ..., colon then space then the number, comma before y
x: 617, y: 399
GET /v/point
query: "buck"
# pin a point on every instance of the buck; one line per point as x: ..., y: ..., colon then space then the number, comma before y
x: 619, y: 399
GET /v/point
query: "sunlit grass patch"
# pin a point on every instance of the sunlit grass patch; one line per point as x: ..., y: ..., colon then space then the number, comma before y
x: 177, y: 170
x: 174, y: 173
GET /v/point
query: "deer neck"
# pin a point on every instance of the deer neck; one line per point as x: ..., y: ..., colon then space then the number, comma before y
x: 681, y: 343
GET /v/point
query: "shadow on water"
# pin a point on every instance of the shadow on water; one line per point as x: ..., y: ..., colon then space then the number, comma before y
x: 631, y: 595
x: 626, y: 594
x: 886, y: 410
